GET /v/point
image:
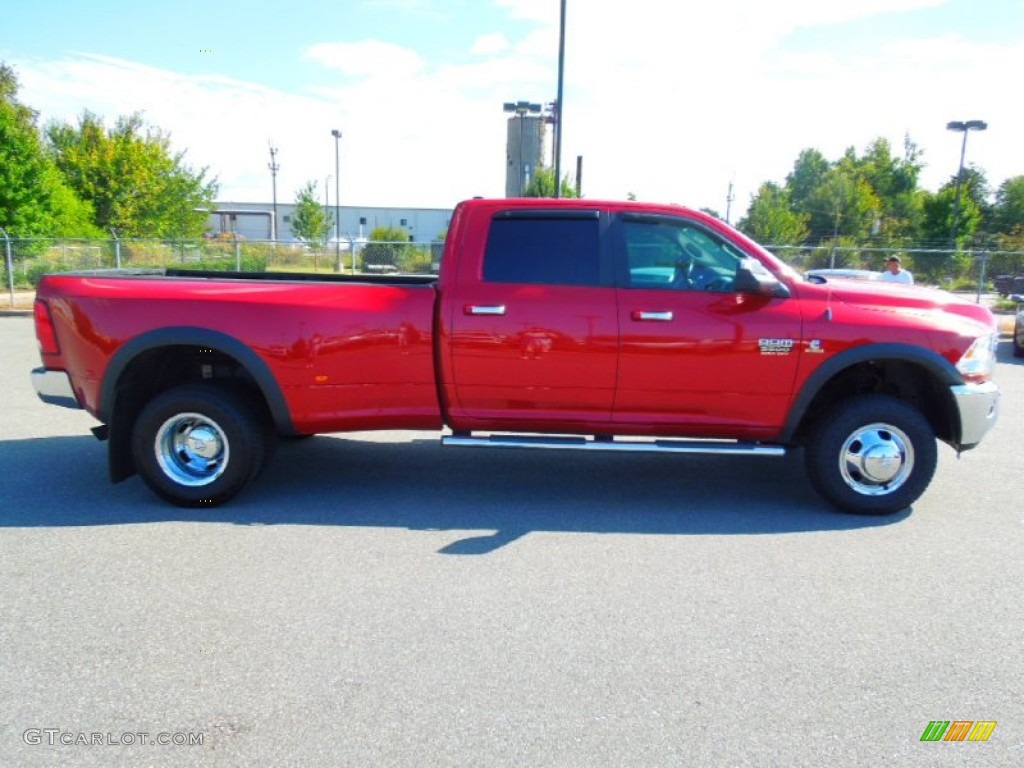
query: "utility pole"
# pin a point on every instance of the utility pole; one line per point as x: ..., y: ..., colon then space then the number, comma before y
x: 10, y: 264
x: 336, y: 133
x: 729, y: 197
x: 274, y: 168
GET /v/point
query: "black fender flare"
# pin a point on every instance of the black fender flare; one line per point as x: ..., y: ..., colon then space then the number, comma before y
x: 944, y: 372
x: 202, y: 338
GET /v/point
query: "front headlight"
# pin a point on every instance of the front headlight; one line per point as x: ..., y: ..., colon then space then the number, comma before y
x: 979, y: 360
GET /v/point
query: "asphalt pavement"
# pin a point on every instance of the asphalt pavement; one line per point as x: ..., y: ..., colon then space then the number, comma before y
x: 377, y: 600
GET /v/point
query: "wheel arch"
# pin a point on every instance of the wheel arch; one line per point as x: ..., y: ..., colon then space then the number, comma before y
x: 160, y: 359
x: 912, y: 373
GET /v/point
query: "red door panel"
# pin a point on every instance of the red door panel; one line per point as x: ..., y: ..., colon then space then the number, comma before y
x: 697, y: 356
x: 709, y: 361
x: 544, y: 352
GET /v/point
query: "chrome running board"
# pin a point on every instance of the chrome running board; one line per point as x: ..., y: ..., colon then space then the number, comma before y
x: 569, y: 443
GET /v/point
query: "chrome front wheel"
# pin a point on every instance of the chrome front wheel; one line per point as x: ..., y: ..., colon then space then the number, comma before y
x: 871, y: 454
x: 876, y: 459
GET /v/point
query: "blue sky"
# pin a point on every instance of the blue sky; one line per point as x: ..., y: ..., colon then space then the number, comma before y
x: 671, y: 101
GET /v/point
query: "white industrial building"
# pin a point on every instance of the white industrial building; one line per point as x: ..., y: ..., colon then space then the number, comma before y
x: 255, y: 221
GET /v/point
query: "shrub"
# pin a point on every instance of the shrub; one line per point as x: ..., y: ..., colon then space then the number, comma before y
x: 415, y: 261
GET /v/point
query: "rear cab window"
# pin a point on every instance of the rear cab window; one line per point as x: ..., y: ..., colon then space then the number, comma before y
x: 541, y: 248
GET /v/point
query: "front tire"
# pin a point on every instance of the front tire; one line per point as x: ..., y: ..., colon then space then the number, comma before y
x: 199, y: 445
x: 875, y: 455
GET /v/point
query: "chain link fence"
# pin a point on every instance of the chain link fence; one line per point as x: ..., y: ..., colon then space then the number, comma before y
x: 984, y: 271
x: 935, y: 266
x: 25, y: 261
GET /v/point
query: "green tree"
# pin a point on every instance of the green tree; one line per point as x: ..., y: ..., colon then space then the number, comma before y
x: 1009, y: 246
x: 543, y: 184
x: 938, y: 210
x: 894, y: 181
x: 975, y: 187
x: 1008, y: 212
x: 842, y: 205
x: 311, y: 223
x: 130, y: 175
x: 936, y: 228
x: 34, y: 200
x: 807, y: 174
x: 389, y: 235
x: 873, y: 196
x: 771, y: 220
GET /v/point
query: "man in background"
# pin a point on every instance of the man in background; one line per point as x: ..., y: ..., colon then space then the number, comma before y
x: 895, y: 273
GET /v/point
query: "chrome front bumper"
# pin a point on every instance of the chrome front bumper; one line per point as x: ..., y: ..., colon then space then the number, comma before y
x: 54, y: 388
x: 978, y: 406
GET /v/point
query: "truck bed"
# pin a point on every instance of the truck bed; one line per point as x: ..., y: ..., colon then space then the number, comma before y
x: 345, y: 351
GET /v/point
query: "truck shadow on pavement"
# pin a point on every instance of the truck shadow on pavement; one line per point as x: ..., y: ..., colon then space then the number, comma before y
x: 494, y: 496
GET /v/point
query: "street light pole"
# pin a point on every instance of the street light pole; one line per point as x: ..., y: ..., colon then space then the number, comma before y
x: 559, y: 102
x: 963, y: 127
x: 337, y: 199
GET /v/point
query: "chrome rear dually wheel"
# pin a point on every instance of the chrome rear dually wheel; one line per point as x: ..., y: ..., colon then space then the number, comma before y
x: 200, y: 444
x: 192, y: 449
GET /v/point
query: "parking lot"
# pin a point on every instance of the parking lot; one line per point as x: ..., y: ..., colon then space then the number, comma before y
x: 377, y: 600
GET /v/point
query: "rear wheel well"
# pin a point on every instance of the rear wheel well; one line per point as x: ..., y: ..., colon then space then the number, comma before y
x: 907, y: 381
x: 159, y: 369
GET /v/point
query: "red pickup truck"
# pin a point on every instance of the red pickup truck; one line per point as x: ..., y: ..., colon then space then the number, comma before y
x: 560, y: 324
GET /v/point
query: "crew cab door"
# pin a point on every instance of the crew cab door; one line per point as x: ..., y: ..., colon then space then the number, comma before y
x: 534, y: 327
x: 696, y: 352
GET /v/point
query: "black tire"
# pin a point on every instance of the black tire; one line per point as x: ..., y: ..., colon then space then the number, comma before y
x: 199, y: 445
x: 873, y: 455
x: 1018, y: 350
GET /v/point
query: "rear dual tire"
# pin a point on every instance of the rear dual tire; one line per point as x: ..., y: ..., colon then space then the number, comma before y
x: 199, y: 445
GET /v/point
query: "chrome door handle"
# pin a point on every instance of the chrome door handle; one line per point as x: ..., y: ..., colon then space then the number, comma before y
x: 475, y: 309
x: 643, y: 315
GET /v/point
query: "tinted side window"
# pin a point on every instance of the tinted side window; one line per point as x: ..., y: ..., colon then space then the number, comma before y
x: 543, y: 250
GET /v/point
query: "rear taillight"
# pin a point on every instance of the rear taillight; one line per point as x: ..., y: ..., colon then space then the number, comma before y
x: 45, y: 332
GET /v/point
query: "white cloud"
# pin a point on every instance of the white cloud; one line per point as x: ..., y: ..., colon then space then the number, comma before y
x: 543, y: 11
x: 668, y: 101
x: 389, y: 156
x: 673, y: 104
x: 367, y: 58
x: 489, y: 44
